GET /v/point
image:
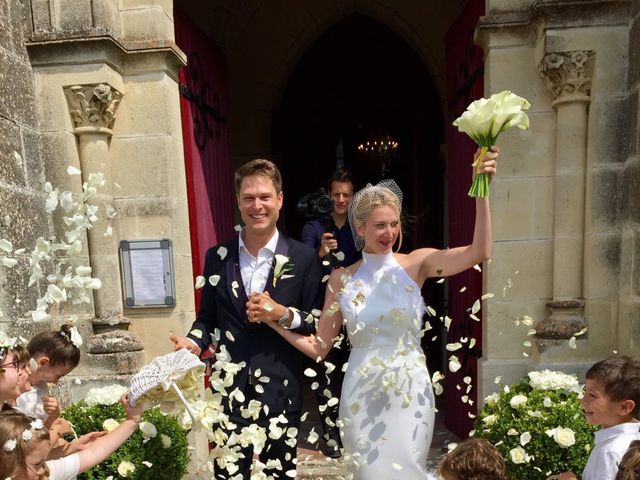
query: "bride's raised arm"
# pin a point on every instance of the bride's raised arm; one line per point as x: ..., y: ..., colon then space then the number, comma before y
x: 318, y: 346
x: 444, y: 263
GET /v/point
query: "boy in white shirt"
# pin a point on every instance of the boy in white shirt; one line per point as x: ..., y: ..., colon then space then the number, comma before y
x: 612, y: 400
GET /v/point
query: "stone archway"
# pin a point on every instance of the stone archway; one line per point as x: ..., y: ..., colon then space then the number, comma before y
x: 264, y: 41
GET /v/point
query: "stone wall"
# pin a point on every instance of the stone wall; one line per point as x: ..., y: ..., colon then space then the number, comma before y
x: 557, y: 201
x: 628, y: 332
x: 22, y: 170
x: 47, y: 47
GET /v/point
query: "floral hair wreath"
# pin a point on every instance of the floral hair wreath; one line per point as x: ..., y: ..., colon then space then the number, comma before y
x: 73, y: 336
x: 10, y: 445
x: 6, y: 343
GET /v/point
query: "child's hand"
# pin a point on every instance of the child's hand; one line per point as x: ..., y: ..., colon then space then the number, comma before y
x: 51, y: 407
x: 61, y: 427
x: 133, y: 413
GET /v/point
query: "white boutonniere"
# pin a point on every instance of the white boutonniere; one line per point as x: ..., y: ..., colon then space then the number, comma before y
x: 282, y: 266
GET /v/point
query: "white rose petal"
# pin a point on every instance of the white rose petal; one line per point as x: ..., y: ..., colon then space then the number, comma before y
x: 6, y: 245
x: 9, y: 262
x: 110, y: 425
x: 222, y: 252
x: 214, y: 279
x: 200, y: 281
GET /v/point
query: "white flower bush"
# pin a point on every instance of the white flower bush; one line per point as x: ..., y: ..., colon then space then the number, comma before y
x: 538, y: 425
x: 108, y: 395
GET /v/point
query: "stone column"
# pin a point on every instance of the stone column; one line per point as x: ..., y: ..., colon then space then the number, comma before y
x: 93, y: 112
x: 568, y: 76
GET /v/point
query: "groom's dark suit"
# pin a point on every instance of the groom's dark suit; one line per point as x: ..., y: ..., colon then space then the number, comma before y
x: 259, y: 346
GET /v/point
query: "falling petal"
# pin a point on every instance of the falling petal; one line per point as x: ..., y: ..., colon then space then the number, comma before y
x: 581, y: 332
x: 477, y: 267
x: 310, y: 372
x: 6, y: 245
x: 200, y: 280
x: 572, y: 343
x: 214, y: 279
x: 454, y: 364
x: 9, y: 262
x: 440, y: 281
x: 487, y: 295
x: 196, y: 333
x: 222, y: 252
x: 237, y: 228
x: 463, y: 289
x: 71, y: 170
x: 475, y: 308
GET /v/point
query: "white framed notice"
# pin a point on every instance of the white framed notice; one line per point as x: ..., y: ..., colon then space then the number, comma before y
x: 147, y: 273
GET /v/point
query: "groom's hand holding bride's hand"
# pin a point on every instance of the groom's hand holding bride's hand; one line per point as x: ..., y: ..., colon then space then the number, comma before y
x: 262, y: 308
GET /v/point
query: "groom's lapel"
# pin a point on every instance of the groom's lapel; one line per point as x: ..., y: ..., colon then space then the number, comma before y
x: 232, y: 269
x: 282, y: 248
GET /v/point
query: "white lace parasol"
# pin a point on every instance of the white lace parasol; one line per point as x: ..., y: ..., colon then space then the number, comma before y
x: 174, y: 374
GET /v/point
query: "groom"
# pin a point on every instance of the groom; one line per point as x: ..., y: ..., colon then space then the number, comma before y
x: 268, y: 276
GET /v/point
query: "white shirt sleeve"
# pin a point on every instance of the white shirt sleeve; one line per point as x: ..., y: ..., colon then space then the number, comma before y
x: 296, y: 321
x: 64, y: 468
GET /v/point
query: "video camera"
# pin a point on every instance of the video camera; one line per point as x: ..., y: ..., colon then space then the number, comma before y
x: 316, y: 204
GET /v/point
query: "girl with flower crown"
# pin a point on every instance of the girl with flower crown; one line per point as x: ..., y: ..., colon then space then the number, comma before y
x: 54, y: 354
x: 14, y: 374
x: 25, y: 446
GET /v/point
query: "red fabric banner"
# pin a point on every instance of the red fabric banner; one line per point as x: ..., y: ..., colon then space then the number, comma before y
x: 204, y: 105
x: 464, y: 83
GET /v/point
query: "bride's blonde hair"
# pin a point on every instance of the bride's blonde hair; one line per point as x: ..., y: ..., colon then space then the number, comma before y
x: 13, y: 424
x: 365, y: 201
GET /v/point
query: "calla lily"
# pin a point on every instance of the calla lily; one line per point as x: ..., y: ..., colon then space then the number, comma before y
x: 484, y: 120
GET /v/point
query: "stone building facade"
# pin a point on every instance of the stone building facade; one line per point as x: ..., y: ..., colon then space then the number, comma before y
x: 566, y: 202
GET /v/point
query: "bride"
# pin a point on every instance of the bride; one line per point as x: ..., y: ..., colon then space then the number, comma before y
x: 387, y: 405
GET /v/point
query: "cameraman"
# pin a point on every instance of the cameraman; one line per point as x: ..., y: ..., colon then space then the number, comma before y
x: 332, y: 238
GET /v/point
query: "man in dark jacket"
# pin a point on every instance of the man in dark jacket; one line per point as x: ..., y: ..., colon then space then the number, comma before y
x: 260, y: 260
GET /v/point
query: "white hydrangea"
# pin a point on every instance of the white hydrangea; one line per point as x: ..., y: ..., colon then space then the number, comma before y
x: 106, y: 395
x: 552, y: 380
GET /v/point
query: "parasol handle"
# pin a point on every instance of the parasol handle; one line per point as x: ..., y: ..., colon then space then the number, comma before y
x: 184, y: 401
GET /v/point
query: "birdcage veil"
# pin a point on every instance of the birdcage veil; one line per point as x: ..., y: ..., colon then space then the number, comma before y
x: 384, y: 193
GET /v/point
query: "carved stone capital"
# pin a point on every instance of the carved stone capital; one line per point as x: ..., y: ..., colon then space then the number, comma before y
x: 568, y: 74
x: 566, y: 319
x: 93, y: 106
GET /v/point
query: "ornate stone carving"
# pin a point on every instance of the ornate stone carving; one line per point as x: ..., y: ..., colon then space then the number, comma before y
x: 568, y: 73
x: 92, y: 105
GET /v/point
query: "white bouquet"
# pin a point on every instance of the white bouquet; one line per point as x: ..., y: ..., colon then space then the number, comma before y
x: 484, y: 120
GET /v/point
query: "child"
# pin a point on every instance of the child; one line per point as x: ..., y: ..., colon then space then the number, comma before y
x: 473, y: 459
x: 24, y: 447
x: 55, y: 353
x: 611, y: 400
x: 629, y: 468
x: 14, y: 377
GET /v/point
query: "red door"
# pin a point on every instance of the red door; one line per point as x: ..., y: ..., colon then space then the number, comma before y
x: 204, y: 105
x: 465, y: 84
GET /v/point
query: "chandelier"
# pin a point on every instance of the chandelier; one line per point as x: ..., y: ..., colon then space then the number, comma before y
x: 378, y: 146
x: 381, y: 148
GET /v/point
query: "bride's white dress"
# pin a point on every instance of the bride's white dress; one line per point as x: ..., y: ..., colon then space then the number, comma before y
x: 387, y: 405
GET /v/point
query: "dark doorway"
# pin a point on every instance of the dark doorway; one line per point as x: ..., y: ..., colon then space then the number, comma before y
x: 357, y: 79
